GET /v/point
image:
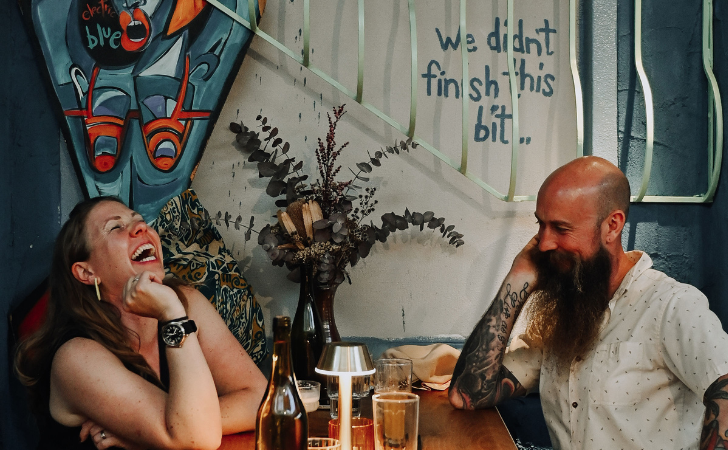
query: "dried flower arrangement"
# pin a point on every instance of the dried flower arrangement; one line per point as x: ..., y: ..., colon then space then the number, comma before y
x: 321, y: 225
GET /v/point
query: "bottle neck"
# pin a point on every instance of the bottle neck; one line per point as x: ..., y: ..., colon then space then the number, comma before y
x: 282, y: 366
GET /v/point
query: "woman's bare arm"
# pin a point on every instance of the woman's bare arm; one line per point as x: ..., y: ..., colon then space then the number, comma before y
x: 240, y: 384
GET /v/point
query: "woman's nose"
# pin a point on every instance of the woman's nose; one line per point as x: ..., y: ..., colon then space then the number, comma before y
x: 139, y: 228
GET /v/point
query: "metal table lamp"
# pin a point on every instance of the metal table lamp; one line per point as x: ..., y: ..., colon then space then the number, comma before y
x: 344, y: 360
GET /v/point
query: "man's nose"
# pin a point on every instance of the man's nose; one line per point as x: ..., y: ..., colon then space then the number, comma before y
x: 546, y: 241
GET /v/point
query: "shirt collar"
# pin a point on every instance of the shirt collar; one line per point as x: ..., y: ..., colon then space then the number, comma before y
x: 643, y: 263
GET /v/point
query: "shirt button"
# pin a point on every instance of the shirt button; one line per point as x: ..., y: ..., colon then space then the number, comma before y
x: 574, y: 404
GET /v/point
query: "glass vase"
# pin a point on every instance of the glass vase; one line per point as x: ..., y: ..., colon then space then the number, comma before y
x: 324, y: 297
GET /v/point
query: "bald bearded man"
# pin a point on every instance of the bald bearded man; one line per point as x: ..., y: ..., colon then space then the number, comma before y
x: 623, y: 355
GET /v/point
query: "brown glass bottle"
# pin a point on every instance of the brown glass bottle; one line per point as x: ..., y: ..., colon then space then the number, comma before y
x: 307, y: 335
x: 281, y: 423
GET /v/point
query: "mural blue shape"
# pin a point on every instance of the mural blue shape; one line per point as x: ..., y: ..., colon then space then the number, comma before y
x: 140, y: 84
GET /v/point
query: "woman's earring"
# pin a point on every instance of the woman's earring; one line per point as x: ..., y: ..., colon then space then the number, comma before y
x: 98, y: 293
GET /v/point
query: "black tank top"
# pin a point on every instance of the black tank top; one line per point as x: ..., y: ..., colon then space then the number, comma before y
x: 55, y: 436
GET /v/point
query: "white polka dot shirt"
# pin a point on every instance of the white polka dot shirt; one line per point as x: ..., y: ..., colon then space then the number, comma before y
x: 642, y: 386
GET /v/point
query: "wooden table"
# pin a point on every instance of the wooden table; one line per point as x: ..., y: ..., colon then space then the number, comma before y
x: 441, y: 427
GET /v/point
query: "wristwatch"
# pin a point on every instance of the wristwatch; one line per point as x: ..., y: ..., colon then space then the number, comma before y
x: 176, y: 331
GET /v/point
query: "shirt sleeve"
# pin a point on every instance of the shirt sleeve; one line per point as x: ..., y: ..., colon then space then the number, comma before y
x: 693, y: 340
x: 523, y: 359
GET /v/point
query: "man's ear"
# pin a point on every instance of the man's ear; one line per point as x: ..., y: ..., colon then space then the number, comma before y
x: 83, y: 273
x: 613, y: 225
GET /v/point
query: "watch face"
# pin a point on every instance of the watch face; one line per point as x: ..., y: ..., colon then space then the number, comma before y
x: 172, y: 334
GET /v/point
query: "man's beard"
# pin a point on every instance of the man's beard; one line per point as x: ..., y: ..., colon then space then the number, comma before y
x: 568, y: 306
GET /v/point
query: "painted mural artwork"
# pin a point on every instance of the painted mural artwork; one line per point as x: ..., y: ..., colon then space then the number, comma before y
x: 140, y: 84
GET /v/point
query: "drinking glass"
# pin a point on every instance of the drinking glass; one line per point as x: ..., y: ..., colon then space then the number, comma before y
x: 359, y: 389
x: 396, y: 416
x: 318, y: 443
x: 309, y: 392
x: 393, y: 375
x: 362, y: 432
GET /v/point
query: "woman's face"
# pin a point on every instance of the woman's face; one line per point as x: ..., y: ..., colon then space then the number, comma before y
x: 122, y: 245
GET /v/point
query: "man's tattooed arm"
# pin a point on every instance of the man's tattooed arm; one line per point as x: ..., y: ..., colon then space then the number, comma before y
x: 715, y: 427
x: 480, y: 380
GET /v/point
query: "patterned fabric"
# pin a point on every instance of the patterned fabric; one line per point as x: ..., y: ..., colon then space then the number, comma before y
x: 194, y: 252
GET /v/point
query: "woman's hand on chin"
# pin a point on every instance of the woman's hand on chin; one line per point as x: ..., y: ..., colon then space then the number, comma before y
x: 145, y: 295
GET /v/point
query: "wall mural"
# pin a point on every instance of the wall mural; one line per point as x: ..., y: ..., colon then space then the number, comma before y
x: 140, y: 84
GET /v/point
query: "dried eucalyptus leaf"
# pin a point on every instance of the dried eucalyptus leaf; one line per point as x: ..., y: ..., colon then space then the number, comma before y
x: 282, y: 203
x: 361, y: 178
x: 407, y: 215
x: 353, y: 258
x: 267, y: 169
x: 237, y: 222
x: 217, y: 218
x: 428, y: 216
x: 236, y: 127
x: 389, y: 219
x: 285, y: 148
x: 264, y: 121
x: 417, y: 219
x: 449, y: 228
x: 298, y: 166
x: 258, y: 117
x: 378, y: 155
x: 242, y: 138
x: 375, y: 162
x: 265, y: 129
x: 275, y: 187
x: 322, y: 235
x: 277, y: 142
x: 248, y: 234
x: 337, y: 227
x: 364, y: 249
x: 258, y: 156
x: 227, y: 219
x: 401, y: 223
x: 321, y: 224
x: 371, y: 236
x: 364, y: 167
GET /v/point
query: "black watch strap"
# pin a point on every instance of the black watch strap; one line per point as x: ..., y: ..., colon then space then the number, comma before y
x: 179, y: 319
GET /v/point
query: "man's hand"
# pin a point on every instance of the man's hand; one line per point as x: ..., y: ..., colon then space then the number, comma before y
x: 523, y: 263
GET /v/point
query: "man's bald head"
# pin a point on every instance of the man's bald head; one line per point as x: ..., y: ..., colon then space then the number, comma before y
x: 595, y: 178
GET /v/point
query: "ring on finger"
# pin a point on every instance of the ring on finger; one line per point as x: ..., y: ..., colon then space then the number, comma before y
x: 103, y: 434
x: 136, y: 278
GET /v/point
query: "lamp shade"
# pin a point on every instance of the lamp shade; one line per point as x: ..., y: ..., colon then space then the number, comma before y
x: 345, y: 357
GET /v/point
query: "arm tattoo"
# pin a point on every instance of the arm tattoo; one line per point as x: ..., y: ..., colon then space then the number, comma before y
x: 713, y: 437
x: 480, y: 378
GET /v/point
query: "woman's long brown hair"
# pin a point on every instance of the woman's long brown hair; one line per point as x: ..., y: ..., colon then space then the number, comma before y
x: 74, y: 310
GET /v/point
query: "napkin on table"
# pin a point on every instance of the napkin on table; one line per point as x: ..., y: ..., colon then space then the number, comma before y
x: 432, y: 364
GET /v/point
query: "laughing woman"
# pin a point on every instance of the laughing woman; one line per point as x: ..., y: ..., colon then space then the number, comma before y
x: 126, y: 358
